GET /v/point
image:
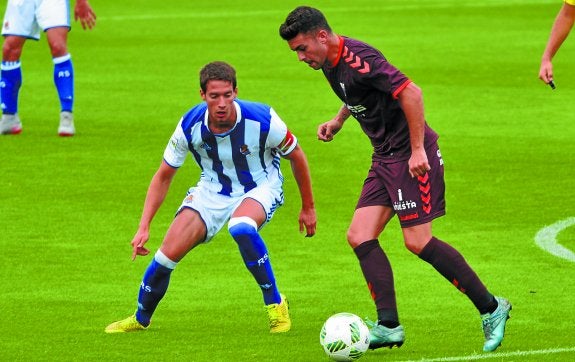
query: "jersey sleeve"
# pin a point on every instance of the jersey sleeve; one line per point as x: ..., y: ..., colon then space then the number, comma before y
x: 279, y: 136
x: 387, y: 78
x: 177, y: 149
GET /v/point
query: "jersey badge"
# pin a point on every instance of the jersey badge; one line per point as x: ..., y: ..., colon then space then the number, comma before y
x: 244, y: 150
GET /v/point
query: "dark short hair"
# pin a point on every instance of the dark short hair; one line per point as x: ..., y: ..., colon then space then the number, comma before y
x: 217, y: 71
x: 303, y: 19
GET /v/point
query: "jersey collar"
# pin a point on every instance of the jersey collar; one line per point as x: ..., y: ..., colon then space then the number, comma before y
x: 238, y: 120
x: 339, y: 52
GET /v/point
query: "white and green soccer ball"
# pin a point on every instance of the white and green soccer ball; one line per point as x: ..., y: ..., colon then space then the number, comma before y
x: 344, y: 337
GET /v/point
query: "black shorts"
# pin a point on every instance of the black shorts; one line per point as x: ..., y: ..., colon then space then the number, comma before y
x: 415, y: 200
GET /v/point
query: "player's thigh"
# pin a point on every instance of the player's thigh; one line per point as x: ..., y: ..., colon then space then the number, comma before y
x: 252, y: 209
x: 368, y: 223
x: 260, y: 203
x: 185, y: 233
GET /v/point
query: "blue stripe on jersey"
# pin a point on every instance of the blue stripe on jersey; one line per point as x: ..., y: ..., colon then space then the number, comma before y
x: 265, y: 130
x: 261, y: 113
x: 193, y: 116
x: 237, y: 139
x: 217, y: 165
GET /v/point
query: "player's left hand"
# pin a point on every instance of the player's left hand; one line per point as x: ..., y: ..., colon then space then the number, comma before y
x: 307, y: 221
x: 83, y: 12
x: 546, y: 71
x: 418, y: 163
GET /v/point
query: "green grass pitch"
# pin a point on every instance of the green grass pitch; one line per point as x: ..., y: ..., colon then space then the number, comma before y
x: 69, y: 207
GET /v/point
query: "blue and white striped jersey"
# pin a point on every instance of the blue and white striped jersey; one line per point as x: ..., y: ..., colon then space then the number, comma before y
x: 237, y: 161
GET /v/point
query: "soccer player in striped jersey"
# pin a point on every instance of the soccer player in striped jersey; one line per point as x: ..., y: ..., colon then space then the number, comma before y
x: 238, y: 146
x: 405, y: 178
x: 559, y: 32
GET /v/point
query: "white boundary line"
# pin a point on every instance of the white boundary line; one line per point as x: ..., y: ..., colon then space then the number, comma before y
x: 546, y: 239
x: 475, y: 357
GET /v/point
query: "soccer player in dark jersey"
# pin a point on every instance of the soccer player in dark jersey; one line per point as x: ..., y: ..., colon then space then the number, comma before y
x: 405, y: 178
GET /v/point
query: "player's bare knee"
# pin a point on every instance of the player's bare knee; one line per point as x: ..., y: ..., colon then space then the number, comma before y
x: 354, y: 238
x: 414, y: 244
x: 11, y: 50
x: 58, y: 48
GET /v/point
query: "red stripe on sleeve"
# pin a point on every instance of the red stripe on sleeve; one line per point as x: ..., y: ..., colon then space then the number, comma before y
x: 400, y: 88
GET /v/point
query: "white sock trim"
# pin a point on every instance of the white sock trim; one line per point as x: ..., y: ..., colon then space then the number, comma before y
x: 242, y: 219
x: 164, y: 260
x: 10, y: 65
x: 61, y: 59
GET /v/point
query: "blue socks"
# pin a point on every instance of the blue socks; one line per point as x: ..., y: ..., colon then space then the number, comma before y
x: 11, y: 74
x: 255, y: 255
x: 64, y: 81
x: 154, y: 286
x: 252, y: 248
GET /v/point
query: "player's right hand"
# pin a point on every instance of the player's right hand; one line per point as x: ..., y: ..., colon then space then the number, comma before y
x: 138, y: 242
x: 327, y: 130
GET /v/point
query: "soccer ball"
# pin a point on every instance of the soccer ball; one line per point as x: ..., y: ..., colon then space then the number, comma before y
x: 344, y: 337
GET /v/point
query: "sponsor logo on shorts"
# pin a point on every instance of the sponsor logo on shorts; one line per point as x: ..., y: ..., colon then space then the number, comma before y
x: 403, y: 204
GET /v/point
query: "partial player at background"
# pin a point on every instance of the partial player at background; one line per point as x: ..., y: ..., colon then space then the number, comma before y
x: 559, y: 32
x: 24, y: 19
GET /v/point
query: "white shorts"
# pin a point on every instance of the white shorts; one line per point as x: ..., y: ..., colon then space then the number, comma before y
x: 27, y: 18
x: 215, y: 209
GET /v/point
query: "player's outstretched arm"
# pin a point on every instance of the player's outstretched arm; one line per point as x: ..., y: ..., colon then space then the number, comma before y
x: 300, y: 169
x: 559, y: 32
x: 155, y: 196
x: 83, y: 12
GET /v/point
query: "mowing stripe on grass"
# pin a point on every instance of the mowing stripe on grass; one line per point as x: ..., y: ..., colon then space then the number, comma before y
x: 282, y: 12
x: 546, y: 239
x: 474, y: 357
